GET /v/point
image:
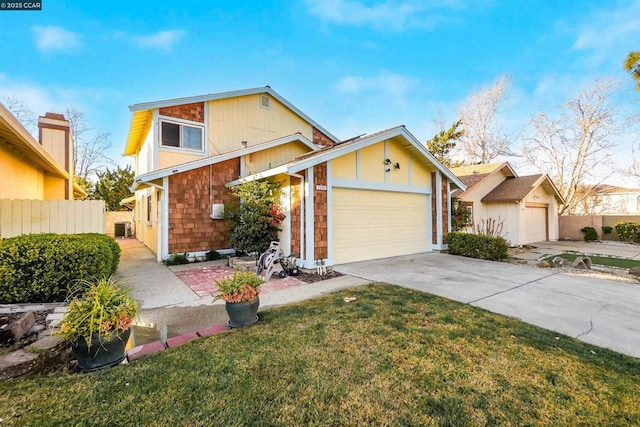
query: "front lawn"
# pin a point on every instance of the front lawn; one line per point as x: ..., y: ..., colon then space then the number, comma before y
x: 391, y: 357
x: 604, y: 260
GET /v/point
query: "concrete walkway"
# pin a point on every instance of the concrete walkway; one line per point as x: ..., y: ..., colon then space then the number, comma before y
x: 596, y: 311
x: 164, y: 299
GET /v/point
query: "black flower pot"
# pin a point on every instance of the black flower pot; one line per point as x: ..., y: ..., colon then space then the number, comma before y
x: 102, y: 353
x: 242, y: 313
x: 293, y: 271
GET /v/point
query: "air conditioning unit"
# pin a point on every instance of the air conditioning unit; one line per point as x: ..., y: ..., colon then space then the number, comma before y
x: 217, y: 211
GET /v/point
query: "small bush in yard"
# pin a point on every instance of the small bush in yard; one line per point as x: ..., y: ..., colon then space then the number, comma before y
x: 176, y: 259
x: 590, y: 234
x: 37, y: 268
x: 627, y: 231
x: 477, y: 246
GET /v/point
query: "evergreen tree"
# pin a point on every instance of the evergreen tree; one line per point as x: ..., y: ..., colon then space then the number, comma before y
x: 112, y: 187
x: 443, y: 142
x: 632, y: 65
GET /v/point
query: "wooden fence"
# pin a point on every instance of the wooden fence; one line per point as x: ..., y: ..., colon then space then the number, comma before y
x: 51, y: 216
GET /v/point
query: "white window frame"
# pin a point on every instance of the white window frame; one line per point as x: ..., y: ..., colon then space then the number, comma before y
x: 181, y: 124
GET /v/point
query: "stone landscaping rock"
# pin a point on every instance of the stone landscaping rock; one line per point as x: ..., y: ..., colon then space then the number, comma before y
x: 558, y: 261
x: 18, y: 328
x: 635, y: 271
x: 17, y: 363
x: 544, y: 264
x: 583, y: 263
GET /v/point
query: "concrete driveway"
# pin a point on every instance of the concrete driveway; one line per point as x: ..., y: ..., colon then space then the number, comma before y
x: 596, y: 311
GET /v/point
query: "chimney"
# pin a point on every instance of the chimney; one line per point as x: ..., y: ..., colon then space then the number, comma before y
x: 54, y: 134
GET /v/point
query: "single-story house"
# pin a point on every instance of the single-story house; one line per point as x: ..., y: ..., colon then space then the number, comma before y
x: 369, y: 197
x: 526, y: 206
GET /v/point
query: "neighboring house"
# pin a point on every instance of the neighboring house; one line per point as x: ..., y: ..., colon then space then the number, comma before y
x: 369, y: 197
x: 527, y: 205
x: 39, y: 170
x: 605, y: 199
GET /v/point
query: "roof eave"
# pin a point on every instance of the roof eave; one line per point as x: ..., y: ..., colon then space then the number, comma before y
x: 231, y: 94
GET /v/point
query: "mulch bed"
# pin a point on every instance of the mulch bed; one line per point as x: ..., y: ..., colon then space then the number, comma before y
x: 315, y: 277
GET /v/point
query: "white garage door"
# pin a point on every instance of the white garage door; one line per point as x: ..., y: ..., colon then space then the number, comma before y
x: 378, y: 224
x: 535, y: 225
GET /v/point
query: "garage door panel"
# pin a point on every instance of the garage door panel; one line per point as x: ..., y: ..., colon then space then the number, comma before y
x: 377, y: 224
x: 535, y: 224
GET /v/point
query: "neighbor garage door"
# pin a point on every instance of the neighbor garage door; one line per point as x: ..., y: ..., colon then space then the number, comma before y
x: 535, y: 225
x: 378, y: 224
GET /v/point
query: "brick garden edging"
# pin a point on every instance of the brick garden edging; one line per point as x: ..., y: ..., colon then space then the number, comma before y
x: 50, y: 351
x: 157, y: 346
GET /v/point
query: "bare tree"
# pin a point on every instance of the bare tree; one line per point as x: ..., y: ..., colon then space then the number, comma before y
x: 25, y: 115
x: 483, y: 140
x: 575, y: 148
x: 90, y: 146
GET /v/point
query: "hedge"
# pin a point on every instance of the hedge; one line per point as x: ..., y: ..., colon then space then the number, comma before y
x: 480, y: 246
x: 36, y: 268
x: 627, y: 231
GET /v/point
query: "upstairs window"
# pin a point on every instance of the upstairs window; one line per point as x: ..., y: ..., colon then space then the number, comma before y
x: 181, y: 136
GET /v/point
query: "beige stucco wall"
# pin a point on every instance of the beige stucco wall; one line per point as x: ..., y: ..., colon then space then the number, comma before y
x: 570, y: 225
x: 234, y: 120
x: 111, y: 217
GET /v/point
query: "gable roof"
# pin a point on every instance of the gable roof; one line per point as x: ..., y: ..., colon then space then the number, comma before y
x: 195, y: 164
x: 517, y: 188
x: 322, y: 155
x: 15, y: 137
x: 472, y: 175
x: 142, y: 116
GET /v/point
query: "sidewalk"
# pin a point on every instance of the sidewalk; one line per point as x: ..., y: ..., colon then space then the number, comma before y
x: 164, y: 299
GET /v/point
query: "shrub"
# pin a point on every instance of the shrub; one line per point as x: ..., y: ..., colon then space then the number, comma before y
x: 213, y: 255
x: 477, y: 246
x: 255, y: 221
x: 606, y: 229
x: 627, y: 231
x: 590, y: 234
x: 37, y: 268
x: 177, y: 259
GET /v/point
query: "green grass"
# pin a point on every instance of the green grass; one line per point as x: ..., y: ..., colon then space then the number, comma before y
x: 392, y: 357
x: 599, y: 260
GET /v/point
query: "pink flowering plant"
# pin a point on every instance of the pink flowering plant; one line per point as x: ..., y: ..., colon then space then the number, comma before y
x: 255, y: 217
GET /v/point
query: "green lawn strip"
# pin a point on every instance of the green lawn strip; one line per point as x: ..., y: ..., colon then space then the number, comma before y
x: 392, y: 357
x: 598, y: 260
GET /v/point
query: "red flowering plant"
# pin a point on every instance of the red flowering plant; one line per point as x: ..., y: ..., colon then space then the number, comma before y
x: 103, y: 307
x: 242, y: 286
x: 255, y: 216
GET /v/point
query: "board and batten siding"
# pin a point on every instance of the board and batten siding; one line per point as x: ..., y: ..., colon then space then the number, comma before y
x: 238, y: 119
x: 51, y: 216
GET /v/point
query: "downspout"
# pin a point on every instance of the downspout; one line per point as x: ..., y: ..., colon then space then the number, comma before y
x: 302, y: 199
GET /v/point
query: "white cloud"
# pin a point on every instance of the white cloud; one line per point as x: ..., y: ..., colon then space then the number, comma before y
x: 392, y: 15
x: 53, y: 38
x: 161, y: 40
x: 386, y: 85
x: 608, y: 34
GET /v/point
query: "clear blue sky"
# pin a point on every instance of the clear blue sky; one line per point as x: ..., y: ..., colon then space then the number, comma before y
x: 355, y: 66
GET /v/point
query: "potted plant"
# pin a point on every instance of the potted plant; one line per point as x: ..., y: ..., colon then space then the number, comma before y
x: 97, y: 323
x: 240, y: 292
